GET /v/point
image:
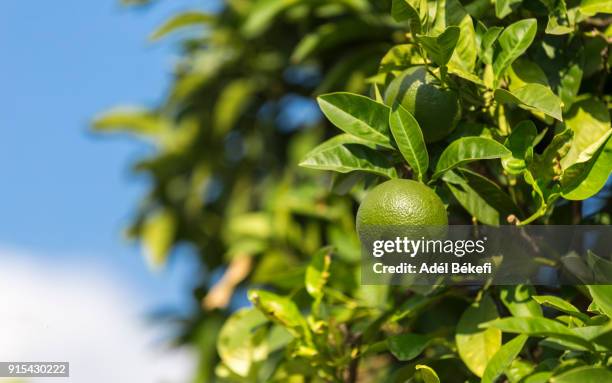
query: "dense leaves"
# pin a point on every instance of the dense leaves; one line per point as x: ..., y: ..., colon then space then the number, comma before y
x: 264, y: 86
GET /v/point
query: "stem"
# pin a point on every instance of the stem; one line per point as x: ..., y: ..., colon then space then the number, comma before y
x: 353, y: 370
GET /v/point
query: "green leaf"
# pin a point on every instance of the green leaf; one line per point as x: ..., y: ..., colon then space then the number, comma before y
x: 236, y: 344
x: 329, y: 36
x: 440, y: 48
x: 503, y: 358
x: 584, y: 179
x: 592, y: 7
x: 505, y: 7
x: 514, y: 41
x: 402, y: 10
x: 132, y: 120
x: 261, y: 14
x: 561, y: 305
x: 407, y: 346
x: 560, y: 21
x: 426, y: 374
x: 538, y: 326
x: 410, y: 141
x: 585, y: 374
x: 535, y: 97
x: 517, y: 300
x: 345, y: 153
x: 181, y: 20
x: 602, y: 297
x: 482, y: 198
x: 157, y: 236
x: 317, y: 272
x: 524, y: 71
x: 231, y: 102
x: 451, y: 13
x: 520, y: 142
x: 589, y: 119
x: 281, y: 310
x: 486, y: 39
x: 357, y: 115
x: 476, y: 346
x: 468, y: 149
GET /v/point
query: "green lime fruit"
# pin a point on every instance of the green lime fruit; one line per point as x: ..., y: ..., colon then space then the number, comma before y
x: 392, y: 208
x: 437, y: 110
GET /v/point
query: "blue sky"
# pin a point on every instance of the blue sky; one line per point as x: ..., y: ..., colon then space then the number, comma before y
x: 67, y: 194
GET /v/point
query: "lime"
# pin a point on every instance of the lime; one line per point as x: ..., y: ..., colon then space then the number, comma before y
x: 437, y: 110
x: 392, y: 206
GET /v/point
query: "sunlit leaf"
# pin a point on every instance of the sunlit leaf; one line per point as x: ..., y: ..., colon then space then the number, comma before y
x: 182, y: 20
x: 345, y: 153
x: 503, y: 359
x: 592, y: 7
x: 583, y: 375
x: 518, y: 300
x: 514, y: 41
x: 440, y: 48
x: 476, y: 346
x: 468, y: 149
x: 157, y: 236
x: 358, y: 115
x: 602, y: 296
x: 535, y: 97
x: 317, y: 272
x: 505, y: 7
x: 409, y: 139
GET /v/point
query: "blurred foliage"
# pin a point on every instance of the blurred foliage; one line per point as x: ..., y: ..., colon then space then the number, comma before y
x: 532, y: 79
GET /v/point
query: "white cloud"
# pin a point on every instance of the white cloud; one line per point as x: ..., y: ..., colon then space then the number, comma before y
x: 79, y: 312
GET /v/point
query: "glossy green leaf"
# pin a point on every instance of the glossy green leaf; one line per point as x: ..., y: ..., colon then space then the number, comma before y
x: 410, y: 141
x: 535, y: 97
x: 524, y: 71
x: 503, y: 359
x: 357, y: 115
x: 182, y: 20
x: 584, y: 179
x: 345, y: 153
x: 468, y: 149
x: 589, y: 119
x: 602, y: 297
x: 514, y: 41
x: 482, y: 198
x: 451, y: 13
x: 592, y: 7
x: 505, y: 7
x: 426, y: 374
x: 537, y: 326
x: 317, y: 272
x: 560, y: 21
x: 407, y: 346
x: 475, y: 345
x: 281, y: 310
x: 560, y: 304
x: 585, y: 374
x: 440, y: 48
x: 520, y: 142
x: 518, y: 300
x: 486, y: 39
